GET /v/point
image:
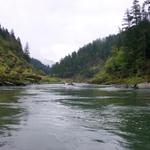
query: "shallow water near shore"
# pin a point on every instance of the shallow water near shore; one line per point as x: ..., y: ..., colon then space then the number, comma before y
x: 74, y: 117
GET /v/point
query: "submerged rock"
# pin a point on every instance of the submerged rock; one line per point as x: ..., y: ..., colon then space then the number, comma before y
x: 145, y: 85
x: 71, y: 83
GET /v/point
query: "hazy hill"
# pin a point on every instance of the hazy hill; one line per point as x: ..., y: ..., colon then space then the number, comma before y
x: 47, y: 62
x: 39, y: 65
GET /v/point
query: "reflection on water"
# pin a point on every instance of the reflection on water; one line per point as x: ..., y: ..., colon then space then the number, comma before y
x: 80, y: 117
x: 10, y: 112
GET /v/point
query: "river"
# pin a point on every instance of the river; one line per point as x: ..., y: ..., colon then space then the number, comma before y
x: 78, y: 117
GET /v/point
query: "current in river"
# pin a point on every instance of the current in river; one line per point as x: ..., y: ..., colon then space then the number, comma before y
x: 74, y: 117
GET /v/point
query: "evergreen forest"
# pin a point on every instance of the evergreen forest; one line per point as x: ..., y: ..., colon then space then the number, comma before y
x: 124, y: 57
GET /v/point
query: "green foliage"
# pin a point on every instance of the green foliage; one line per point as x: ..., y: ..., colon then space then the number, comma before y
x: 48, y: 79
x: 116, y: 59
x: 101, y: 77
x: 118, y: 62
x: 84, y: 61
x: 130, y: 60
x: 14, y: 65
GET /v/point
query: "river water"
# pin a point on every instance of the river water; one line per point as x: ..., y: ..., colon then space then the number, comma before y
x: 79, y: 117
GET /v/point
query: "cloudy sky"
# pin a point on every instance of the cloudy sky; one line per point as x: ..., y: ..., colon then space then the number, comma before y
x: 55, y: 28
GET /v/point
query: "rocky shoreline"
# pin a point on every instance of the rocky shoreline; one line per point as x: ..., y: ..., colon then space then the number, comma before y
x: 29, y: 79
x: 10, y: 83
x: 144, y: 85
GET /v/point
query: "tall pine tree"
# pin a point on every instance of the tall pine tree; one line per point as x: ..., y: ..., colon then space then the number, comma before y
x: 136, y: 12
x: 127, y: 19
x: 26, y: 52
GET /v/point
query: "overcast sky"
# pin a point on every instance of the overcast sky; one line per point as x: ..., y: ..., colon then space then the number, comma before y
x: 55, y: 28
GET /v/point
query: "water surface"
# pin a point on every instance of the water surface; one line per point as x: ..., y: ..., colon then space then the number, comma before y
x: 79, y: 117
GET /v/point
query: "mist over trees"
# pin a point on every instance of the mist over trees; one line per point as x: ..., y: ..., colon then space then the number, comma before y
x: 37, y: 64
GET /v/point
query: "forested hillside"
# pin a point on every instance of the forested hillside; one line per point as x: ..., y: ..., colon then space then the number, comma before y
x: 87, y: 61
x: 124, y: 57
x: 130, y: 61
x: 15, y: 65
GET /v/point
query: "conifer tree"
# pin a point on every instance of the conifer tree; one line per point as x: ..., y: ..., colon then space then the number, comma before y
x: 127, y: 19
x: 136, y: 12
x: 144, y: 13
x: 26, y: 52
x: 146, y: 7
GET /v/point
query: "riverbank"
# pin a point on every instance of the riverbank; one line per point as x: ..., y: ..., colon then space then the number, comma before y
x: 128, y: 82
x: 52, y: 80
x: 144, y: 85
x: 32, y: 79
x: 135, y: 83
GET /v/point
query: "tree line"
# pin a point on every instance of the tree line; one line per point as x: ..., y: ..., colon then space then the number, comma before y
x: 83, y: 61
x: 131, y: 58
x: 9, y: 40
x: 136, y: 14
x: 123, y: 55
